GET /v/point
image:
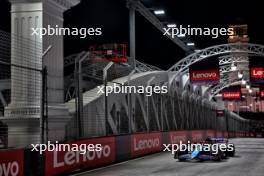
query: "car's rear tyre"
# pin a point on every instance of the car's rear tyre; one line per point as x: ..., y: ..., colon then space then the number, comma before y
x: 181, y: 160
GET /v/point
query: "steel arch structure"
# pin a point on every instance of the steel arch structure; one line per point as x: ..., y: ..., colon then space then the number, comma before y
x: 216, y: 89
x: 185, y: 63
x: 227, y: 59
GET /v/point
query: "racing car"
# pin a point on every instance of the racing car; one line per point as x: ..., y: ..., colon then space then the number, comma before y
x: 230, y: 153
x: 203, y: 155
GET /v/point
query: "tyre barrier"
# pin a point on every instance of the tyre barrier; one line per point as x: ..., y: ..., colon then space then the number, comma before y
x: 20, y: 162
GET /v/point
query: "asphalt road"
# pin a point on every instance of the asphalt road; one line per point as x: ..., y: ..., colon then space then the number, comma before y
x: 249, y: 161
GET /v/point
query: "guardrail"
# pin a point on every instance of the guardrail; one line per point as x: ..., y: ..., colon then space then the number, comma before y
x: 19, y: 162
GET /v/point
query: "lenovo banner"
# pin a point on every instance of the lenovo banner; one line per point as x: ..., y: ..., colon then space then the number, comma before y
x: 199, y: 72
x: 232, y: 93
x: 197, y: 135
x: 219, y: 134
x: 177, y: 136
x: 12, y: 163
x: 210, y: 133
x: 204, y: 76
x: 261, y: 92
x: 226, y: 134
x: 142, y: 144
x: 256, y: 66
x: 63, y: 161
x: 257, y: 75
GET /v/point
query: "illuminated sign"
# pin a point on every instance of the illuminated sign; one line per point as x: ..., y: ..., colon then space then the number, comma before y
x: 232, y: 95
x: 220, y: 113
x: 261, y: 94
x: 204, y: 76
x: 257, y: 74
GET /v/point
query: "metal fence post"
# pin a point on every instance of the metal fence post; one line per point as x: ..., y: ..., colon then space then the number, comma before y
x: 44, y: 100
x: 106, y: 104
x: 129, y: 102
x: 78, y: 90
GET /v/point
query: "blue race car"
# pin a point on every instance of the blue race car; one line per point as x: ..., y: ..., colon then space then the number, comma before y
x: 202, y: 153
x: 228, y: 153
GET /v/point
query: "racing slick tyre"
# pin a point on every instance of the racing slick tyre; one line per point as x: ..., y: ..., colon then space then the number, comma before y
x: 218, y: 157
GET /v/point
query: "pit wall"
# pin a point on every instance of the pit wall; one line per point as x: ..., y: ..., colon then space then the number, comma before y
x: 115, y: 149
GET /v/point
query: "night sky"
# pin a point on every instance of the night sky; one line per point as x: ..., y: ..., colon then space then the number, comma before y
x: 152, y: 46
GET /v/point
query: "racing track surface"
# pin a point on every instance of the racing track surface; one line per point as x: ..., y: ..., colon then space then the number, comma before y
x: 249, y: 161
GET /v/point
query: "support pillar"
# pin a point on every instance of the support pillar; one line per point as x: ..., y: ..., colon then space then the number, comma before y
x: 23, y: 113
x: 132, y: 33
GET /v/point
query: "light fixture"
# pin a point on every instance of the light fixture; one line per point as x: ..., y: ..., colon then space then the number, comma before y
x: 240, y: 75
x: 159, y: 12
x: 190, y: 44
x: 251, y: 105
x: 219, y: 95
x: 243, y: 82
x: 171, y: 25
x: 233, y: 67
x: 181, y: 35
x: 250, y: 90
x: 248, y: 86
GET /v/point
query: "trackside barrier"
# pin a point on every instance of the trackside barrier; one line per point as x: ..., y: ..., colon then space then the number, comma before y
x: 219, y: 134
x: 123, y: 148
x: 12, y: 163
x: 176, y: 136
x: 252, y: 134
x: 142, y: 144
x: 210, y: 133
x: 115, y: 149
x: 61, y: 162
x: 225, y: 134
x: 258, y: 135
x: 197, y: 135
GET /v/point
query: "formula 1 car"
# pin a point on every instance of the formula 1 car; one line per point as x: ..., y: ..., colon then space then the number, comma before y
x: 205, y: 151
x: 228, y: 153
x: 199, y: 155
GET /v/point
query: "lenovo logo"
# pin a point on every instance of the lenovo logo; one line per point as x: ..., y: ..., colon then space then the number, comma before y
x: 146, y: 144
x: 257, y: 72
x: 204, y: 75
x: 231, y: 95
x: 72, y: 158
x: 177, y: 139
x: 262, y: 93
x: 9, y: 169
